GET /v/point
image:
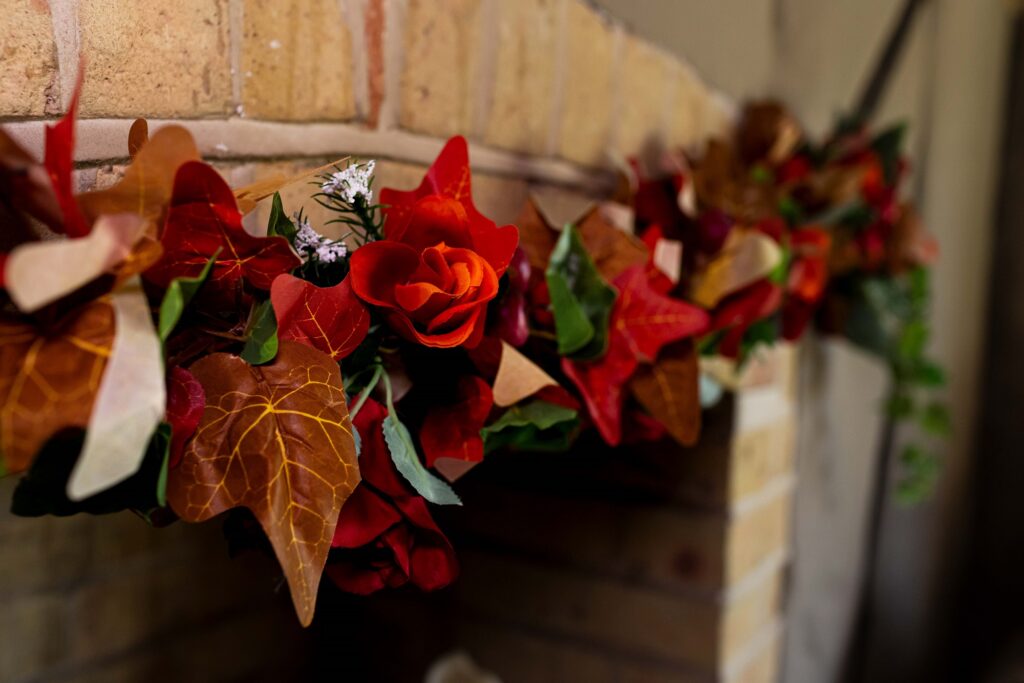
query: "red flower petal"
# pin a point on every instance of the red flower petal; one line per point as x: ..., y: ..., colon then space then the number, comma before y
x: 453, y: 431
x: 378, y: 267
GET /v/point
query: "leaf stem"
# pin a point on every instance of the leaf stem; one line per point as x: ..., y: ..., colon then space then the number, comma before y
x: 365, y: 393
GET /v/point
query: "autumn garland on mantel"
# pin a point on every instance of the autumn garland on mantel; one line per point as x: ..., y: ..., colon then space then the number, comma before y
x: 162, y: 359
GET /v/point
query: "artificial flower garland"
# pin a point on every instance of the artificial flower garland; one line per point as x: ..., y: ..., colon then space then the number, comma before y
x: 324, y: 392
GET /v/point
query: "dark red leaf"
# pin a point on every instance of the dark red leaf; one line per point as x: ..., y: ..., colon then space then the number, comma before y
x: 59, y: 162
x: 203, y: 218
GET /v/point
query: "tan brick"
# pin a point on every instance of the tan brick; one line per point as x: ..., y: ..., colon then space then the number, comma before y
x: 765, y: 666
x: 296, y: 61
x: 756, y: 536
x: 438, y: 81
x: 745, y: 618
x: 523, y: 82
x: 639, y: 621
x: 644, y: 77
x: 759, y: 456
x: 686, y: 107
x: 28, y: 57
x: 297, y: 195
x: 155, y: 59
x: 585, y: 119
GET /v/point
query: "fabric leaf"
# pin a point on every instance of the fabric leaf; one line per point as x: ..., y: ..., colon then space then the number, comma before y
x: 138, y: 136
x: 58, y: 159
x: 203, y: 219
x: 39, y: 273
x: 407, y: 461
x: 331, y: 319
x: 580, y: 299
x: 518, y: 377
x: 130, y: 402
x: 49, y: 377
x: 261, y: 343
x: 534, y: 426
x: 669, y: 390
x: 643, y: 321
x: 177, y: 297
x: 275, y: 439
x: 279, y: 223
x: 452, y: 432
x: 146, y: 187
x: 185, y: 403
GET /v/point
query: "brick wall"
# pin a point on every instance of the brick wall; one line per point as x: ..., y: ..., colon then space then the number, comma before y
x: 661, y: 564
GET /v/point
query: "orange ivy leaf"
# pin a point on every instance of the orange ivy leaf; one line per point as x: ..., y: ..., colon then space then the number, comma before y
x: 275, y: 439
x: 669, y: 390
x: 49, y: 377
x: 331, y: 319
x: 145, y: 189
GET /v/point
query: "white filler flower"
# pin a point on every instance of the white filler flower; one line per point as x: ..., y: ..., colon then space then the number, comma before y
x: 312, y: 245
x: 351, y: 183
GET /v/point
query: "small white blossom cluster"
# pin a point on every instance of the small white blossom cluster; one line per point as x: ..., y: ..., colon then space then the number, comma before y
x: 351, y: 183
x: 312, y: 245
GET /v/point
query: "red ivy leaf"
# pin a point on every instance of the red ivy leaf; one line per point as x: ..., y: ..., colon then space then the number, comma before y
x: 643, y: 321
x: 185, y: 403
x: 648, y: 319
x: 59, y: 162
x: 449, y: 176
x: 203, y: 218
x: 330, y: 319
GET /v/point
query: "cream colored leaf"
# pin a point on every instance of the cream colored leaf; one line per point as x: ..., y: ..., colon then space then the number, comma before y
x: 518, y: 377
x: 747, y: 257
x: 252, y: 194
x: 39, y: 273
x: 130, y: 402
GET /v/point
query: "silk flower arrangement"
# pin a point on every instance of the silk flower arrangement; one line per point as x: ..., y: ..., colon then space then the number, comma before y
x: 160, y: 358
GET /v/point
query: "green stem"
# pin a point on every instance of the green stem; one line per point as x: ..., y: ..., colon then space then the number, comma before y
x: 365, y: 393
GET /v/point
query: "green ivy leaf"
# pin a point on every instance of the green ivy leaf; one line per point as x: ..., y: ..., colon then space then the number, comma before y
x: 261, y: 343
x: 580, y: 299
x: 900, y: 406
x: 408, y: 463
x: 929, y: 374
x: 935, y: 419
x: 178, y: 295
x: 535, y: 426
x: 888, y: 145
x: 279, y: 223
x: 162, y: 443
x: 920, y: 470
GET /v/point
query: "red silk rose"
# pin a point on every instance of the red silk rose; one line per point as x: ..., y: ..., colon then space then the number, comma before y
x: 440, y: 261
x: 385, y: 535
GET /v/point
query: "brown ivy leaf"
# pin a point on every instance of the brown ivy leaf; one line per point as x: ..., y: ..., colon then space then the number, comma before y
x: 536, y: 237
x: 613, y: 250
x: 146, y: 187
x: 49, y: 377
x: 669, y: 391
x: 277, y: 440
x: 138, y: 136
x: 252, y: 194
